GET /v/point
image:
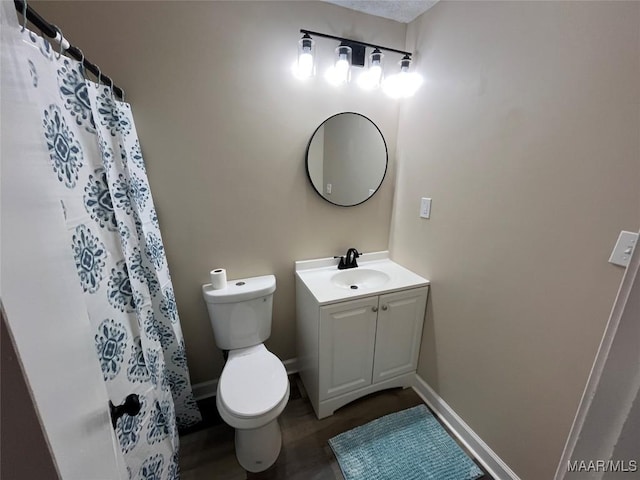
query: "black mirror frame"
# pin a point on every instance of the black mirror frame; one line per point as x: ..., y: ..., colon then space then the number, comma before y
x: 386, y: 165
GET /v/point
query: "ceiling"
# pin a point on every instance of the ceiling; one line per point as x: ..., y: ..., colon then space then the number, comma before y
x: 403, y: 11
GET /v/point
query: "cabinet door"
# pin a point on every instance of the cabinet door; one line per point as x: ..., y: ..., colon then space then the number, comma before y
x: 346, y: 345
x: 398, y: 333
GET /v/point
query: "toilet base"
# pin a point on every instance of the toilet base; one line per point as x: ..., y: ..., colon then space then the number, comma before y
x: 258, y: 448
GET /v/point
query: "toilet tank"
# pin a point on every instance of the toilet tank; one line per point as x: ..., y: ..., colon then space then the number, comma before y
x: 240, y: 314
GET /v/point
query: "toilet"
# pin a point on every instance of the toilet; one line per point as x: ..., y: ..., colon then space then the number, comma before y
x: 253, y: 388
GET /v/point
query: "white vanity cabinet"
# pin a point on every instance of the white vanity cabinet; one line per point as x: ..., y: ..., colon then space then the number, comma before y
x: 398, y: 333
x: 351, y: 347
x: 368, y: 341
x: 347, y: 335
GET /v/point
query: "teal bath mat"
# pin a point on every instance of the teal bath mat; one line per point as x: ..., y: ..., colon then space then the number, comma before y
x: 406, y: 445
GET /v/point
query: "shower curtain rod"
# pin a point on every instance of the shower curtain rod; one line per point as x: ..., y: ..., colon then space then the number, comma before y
x: 51, y: 31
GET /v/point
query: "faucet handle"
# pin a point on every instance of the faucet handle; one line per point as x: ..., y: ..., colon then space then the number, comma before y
x: 341, y: 264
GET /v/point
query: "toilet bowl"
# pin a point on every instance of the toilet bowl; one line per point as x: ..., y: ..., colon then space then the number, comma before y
x: 253, y: 390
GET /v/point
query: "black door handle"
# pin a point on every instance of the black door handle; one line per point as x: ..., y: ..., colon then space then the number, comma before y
x: 130, y: 406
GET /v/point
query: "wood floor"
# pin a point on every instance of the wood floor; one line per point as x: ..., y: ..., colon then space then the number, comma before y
x: 207, y: 453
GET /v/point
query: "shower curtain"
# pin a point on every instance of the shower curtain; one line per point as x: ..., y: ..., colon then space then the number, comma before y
x: 89, y: 144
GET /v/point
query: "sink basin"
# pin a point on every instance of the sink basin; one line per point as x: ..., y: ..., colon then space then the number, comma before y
x: 359, y: 278
x: 376, y: 274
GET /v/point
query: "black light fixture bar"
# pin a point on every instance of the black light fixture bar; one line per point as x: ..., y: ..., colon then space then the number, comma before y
x: 350, y: 42
x: 51, y: 31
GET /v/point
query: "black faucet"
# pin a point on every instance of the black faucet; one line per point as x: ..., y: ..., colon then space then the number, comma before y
x: 349, y: 260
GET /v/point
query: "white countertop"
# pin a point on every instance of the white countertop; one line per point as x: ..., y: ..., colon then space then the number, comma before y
x: 316, y: 276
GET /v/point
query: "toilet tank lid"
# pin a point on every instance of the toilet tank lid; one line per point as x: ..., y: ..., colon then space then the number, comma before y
x: 240, y: 290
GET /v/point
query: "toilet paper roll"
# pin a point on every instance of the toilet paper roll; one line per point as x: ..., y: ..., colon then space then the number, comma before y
x: 218, y: 278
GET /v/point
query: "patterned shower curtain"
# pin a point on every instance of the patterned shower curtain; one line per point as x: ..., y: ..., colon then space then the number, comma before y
x: 89, y: 143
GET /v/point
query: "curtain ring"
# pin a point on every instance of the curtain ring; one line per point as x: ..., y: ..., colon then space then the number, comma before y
x: 122, y: 90
x: 24, y: 16
x: 81, y: 61
x: 99, y: 74
x: 111, y: 88
x: 59, y: 32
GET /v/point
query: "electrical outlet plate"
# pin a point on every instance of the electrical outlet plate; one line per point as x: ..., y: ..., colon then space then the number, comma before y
x: 624, y: 248
x: 425, y: 207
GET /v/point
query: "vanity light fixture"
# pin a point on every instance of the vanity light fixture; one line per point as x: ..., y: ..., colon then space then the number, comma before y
x: 352, y: 53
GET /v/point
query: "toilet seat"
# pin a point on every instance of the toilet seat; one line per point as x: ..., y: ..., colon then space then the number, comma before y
x: 253, y: 382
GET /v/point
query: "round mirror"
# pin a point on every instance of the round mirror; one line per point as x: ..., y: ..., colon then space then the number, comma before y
x: 346, y: 159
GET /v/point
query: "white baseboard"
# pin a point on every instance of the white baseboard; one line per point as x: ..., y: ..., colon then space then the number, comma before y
x: 209, y: 388
x: 204, y: 390
x: 481, y: 451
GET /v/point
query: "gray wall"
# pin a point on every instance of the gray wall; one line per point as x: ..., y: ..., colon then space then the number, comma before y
x: 526, y: 136
x: 224, y: 126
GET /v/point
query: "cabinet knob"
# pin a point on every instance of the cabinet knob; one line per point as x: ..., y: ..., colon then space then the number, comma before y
x: 384, y: 307
x: 375, y: 309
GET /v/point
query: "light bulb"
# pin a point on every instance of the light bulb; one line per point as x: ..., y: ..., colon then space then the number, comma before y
x: 375, y: 72
x: 339, y: 73
x: 342, y: 66
x: 305, y: 64
x: 371, y: 78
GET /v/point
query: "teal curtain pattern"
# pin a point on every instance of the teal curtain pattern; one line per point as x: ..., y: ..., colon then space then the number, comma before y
x: 90, y: 146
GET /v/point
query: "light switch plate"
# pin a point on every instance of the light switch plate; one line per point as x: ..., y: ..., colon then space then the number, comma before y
x: 425, y: 207
x: 624, y: 248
